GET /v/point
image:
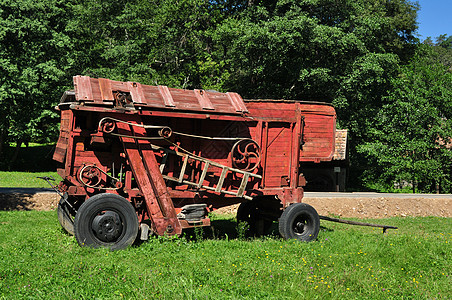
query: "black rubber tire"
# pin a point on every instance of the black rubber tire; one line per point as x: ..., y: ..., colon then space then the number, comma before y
x: 299, y: 221
x: 249, y: 213
x: 106, y: 220
x: 66, y: 217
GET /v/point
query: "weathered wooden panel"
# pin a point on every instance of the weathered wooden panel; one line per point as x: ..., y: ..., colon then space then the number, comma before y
x: 101, y: 91
x: 63, y: 140
x: 319, y: 120
x: 278, y: 153
x: 318, y: 135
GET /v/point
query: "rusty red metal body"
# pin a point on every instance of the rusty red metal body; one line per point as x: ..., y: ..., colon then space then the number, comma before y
x: 167, y: 150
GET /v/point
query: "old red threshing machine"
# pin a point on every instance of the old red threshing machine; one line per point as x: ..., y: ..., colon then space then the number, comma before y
x: 139, y: 159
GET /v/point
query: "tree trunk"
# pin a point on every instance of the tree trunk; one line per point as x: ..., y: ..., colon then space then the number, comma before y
x: 16, y: 154
x: 1, y: 142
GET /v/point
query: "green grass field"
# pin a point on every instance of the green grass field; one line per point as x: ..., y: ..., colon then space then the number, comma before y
x: 38, y: 260
x: 32, y: 161
x: 26, y: 179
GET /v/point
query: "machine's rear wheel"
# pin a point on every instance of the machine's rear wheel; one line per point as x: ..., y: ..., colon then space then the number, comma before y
x: 248, y: 212
x: 106, y: 220
x: 299, y: 221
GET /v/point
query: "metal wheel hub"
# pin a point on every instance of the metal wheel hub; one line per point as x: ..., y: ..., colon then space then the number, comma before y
x: 107, y: 226
x: 299, y: 227
x: 301, y: 224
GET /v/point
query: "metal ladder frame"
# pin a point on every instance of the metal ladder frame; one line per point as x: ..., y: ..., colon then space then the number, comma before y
x: 240, y: 192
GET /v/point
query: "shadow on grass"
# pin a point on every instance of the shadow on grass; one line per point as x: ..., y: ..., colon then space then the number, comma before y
x: 225, y: 229
x: 15, y: 202
x: 323, y: 228
x: 228, y: 229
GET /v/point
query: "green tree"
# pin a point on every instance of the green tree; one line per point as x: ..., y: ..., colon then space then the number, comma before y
x: 344, y: 52
x: 442, y: 48
x: 444, y: 41
x: 411, y: 138
x: 33, y: 45
x: 308, y: 49
x: 153, y: 42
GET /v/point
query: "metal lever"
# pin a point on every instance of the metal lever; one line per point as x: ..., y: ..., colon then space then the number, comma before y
x: 48, y: 179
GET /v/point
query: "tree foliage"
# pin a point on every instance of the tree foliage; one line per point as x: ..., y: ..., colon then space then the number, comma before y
x: 411, y: 135
x: 153, y: 42
x: 33, y: 44
x: 308, y: 49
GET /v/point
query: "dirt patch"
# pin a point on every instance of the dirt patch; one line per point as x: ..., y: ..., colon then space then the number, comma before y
x: 375, y: 207
x: 359, y: 207
x: 39, y: 201
x: 382, y: 207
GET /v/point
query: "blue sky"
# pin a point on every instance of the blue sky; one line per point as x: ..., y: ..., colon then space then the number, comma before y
x: 434, y: 18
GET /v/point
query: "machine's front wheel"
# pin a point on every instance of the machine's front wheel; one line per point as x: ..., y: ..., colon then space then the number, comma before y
x: 299, y: 221
x: 106, y: 220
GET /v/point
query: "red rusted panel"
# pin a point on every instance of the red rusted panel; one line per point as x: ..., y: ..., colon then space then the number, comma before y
x: 272, y: 110
x: 237, y: 102
x: 83, y: 89
x: 278, y: 153
x: 318, y: 138
x: 116, y: 86
x: 295, y: 147
x: 136, y: 91
x: 319, y: 124
x: 63, y: 140
x: 105, y: 89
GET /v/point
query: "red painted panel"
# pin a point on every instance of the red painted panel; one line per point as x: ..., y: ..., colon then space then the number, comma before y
x: 318, y: 133
x: 278, y: 153
x: 83, y: 90
x: 63, y: 140
x: 318, y: 136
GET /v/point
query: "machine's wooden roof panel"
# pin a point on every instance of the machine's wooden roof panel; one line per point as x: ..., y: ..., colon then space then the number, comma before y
x: 100, y: 91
